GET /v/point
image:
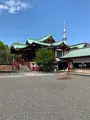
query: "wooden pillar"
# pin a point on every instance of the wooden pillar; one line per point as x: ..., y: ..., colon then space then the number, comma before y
x: 68, y: 64
x: 54, y: 51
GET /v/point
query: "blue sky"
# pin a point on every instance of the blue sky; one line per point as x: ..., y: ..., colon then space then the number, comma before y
x: 23, y: 19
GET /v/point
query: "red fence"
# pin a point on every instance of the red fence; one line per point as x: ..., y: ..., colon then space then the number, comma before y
x: 16, y: 65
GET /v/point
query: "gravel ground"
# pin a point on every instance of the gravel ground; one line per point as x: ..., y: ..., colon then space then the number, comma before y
x: 45, y: 98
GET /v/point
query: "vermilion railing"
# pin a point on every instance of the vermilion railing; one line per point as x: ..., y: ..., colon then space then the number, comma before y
x: 16, y: 65
x: 27, y: 64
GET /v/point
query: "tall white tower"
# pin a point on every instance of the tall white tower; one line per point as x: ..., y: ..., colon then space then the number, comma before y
x: 64, y: 32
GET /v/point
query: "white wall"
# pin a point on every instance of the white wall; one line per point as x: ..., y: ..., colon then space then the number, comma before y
x: 71, y: 64
x: 65, y: 52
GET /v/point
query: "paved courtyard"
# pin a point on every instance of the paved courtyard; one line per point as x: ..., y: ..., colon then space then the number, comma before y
x: 44, y: 98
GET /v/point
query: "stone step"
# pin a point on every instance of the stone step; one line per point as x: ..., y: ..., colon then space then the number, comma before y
x: 24, y: 69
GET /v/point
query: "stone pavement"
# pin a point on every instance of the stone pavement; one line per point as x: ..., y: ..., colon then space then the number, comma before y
x: 45, y: 98
x: 24, y: 74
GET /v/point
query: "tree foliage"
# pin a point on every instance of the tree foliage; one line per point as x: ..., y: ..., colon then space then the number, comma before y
x: 44, y: 58
x: 2, y: 46
x: 5, y: 56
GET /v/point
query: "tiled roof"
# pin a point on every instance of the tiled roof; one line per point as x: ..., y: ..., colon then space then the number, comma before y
x: 19, y: 46
x: 57, y: 43
x: 46, y: 44
x: 60, y: 42
x: 78, y: 53
x: 81, y: 45
x: 38, y: 42
x: 45, y: 38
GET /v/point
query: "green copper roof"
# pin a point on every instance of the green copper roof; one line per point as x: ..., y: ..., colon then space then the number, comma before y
x: 45, y: 37
x: 38, y: 42
x: 78, y: 53
x: 19, y: 46
x: 41, y: 39
x: 30, y: 41
x: 81, y: 45
x: 58, y: 43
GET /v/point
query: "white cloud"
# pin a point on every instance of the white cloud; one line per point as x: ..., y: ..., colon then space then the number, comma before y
x: 14, y: 6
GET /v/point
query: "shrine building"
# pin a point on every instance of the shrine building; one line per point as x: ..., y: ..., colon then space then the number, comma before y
x: 76, y: 57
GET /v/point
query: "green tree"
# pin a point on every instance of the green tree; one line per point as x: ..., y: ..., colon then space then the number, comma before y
x: 10, y: 58
x: 2, y: 46
x: 5, y: 56
x: 45, y: 58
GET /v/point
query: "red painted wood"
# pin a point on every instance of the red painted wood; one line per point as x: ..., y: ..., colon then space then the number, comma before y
x: 54, y: 51
x: 16, y: 65
x: 68, y: 64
